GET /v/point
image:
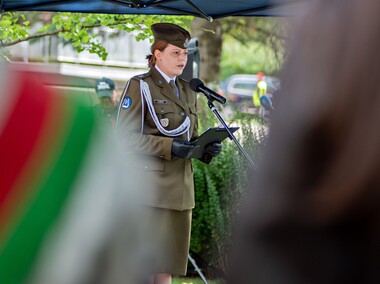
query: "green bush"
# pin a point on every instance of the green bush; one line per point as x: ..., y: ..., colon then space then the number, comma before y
x: 259, y: 58
x: 219, y: 186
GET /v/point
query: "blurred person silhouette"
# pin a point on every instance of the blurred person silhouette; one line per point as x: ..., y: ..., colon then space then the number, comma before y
x: 65, y: 212
x: 108, y: 102
x: 260, y: 91
x: 158, y: 118
x: 312, y: 209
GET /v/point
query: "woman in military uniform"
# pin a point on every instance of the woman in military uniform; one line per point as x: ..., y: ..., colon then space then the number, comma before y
x: 158, y: 119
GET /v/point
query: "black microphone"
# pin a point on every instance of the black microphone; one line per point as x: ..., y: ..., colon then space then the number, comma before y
x: 197, y: 86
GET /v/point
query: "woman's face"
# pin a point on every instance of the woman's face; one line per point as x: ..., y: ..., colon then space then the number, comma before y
x: 172, y: 60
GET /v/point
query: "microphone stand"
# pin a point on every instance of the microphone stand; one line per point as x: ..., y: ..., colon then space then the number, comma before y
x: 231, y: 135
x: 251, y: 163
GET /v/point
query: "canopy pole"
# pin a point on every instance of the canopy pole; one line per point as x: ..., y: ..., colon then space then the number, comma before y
x: 203, y: 14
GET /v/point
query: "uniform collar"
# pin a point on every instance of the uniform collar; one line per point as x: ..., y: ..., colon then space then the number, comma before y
x: 166, y: 77
x: 166, y: 90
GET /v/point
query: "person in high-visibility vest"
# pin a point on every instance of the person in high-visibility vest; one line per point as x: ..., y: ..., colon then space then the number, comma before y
x: 261, y: 89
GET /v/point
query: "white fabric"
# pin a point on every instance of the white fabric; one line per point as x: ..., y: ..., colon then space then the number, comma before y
x: 183, y: 128
x: 166, y: 77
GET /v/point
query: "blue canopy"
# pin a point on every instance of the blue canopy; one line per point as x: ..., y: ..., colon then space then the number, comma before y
x: 208, y: 9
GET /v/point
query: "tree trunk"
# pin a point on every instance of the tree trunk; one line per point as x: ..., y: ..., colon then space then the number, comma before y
x: 209, y: 37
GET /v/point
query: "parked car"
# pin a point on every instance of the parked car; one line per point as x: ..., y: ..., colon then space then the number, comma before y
x: 238, y: 89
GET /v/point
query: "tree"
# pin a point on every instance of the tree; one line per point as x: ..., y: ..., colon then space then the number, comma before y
x: 77, y: 29
x: 269, y: 33
x: 210, y: 47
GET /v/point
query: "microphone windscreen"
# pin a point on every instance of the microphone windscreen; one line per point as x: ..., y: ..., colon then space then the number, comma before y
x: 195, y: 83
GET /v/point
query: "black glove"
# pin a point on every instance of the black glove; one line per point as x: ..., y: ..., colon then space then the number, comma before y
x: 182, y: 148
x: 213, y: 149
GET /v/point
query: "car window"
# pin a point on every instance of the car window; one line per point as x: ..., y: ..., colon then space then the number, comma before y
x: 245, y: 85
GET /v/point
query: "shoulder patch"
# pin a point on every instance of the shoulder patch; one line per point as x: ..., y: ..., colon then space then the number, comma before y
x: 184, y: 80
x: 127, y: 102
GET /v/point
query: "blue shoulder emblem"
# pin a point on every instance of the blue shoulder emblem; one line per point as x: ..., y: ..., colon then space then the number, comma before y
x: 127, y: 102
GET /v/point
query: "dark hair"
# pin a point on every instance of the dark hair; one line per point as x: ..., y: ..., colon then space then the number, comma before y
x: 336, y: 91
x: 160, y: 45
x: 312, y: 213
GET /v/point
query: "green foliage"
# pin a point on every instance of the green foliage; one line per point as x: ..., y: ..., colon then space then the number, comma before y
x: 80, y: 30
x: 256, y: 57
x: 13, y: 27
x: 220, y: 185
x: 258, y: 42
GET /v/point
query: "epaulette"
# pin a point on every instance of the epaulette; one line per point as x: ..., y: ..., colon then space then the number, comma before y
x: 181, y: 79
x: 141, y: 76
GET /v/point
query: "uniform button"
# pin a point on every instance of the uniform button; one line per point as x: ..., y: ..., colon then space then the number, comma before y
x: 146, y: 167
x: 182, y: 114
x: 161, y: 156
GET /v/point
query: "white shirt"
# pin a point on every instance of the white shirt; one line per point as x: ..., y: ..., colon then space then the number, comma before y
x: 166, y: 77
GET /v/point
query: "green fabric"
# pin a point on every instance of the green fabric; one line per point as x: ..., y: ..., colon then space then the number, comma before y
x: 50, y: 195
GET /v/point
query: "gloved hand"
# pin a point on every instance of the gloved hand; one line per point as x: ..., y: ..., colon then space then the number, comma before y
x: 182, y: 148
x: 213, y: 149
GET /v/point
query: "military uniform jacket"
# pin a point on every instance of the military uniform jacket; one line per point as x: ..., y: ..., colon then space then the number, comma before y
x: 162, y: 181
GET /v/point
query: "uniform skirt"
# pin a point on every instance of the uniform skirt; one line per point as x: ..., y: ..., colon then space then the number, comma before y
x: 168, y: 239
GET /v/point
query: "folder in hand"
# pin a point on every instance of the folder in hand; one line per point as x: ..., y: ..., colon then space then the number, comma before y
x: 211, y: 135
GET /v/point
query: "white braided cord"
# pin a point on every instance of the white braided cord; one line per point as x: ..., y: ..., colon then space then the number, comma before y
x: 183, y: 128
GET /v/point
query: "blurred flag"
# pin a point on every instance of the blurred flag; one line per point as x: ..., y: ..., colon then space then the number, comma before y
x: 61, y: 186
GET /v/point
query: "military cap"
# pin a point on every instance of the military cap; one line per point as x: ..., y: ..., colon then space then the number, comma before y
x: 104, y: 87
x: 172, y: 34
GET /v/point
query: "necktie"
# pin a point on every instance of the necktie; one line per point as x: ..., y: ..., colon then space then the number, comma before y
x: 173, y: 85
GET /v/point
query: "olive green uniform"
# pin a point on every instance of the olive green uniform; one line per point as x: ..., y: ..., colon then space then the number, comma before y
x: 148, y: 122
x: 166, y: 182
